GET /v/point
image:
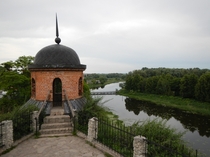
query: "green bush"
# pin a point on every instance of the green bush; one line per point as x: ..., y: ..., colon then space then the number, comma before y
x: 158, y: 132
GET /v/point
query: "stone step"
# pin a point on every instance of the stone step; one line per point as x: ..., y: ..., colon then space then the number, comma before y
x: 57, y: 112
x: 56, y: 131
x: 56, y: 125
x: 55, y: 135
x: 56, y: 119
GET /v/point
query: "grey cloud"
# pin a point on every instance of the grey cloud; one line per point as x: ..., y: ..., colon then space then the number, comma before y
x: 122, y: 33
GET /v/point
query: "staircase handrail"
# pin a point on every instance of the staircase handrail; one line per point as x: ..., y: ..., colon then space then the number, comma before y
x: 43, y: 104
x: 69, y: 104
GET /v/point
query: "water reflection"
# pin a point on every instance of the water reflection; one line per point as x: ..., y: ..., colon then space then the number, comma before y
x: 189, y: 121
x: 197, y: 128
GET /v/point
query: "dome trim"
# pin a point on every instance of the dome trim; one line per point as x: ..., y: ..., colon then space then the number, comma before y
x: 49, y: 66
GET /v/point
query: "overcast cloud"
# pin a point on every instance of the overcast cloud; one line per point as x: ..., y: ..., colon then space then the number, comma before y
x: 112, y: 35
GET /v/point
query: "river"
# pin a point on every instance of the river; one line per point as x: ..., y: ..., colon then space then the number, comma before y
x: 129, y: 110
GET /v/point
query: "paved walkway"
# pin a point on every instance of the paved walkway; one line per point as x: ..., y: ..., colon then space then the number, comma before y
x: 69, y: 146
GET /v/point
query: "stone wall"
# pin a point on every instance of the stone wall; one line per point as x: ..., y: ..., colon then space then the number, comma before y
x: 139, y: 146
x: 34, y: 121
x: 7, y: 130
x: 92, y: 129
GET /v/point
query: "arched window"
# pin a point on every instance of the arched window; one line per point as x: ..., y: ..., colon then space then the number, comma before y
x: 33, y: 88
x: 80, y: 86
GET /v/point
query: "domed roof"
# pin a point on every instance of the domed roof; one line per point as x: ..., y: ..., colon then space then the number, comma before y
x: 57, y: 56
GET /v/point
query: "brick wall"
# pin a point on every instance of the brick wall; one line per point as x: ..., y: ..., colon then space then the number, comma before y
x: 44, y: 82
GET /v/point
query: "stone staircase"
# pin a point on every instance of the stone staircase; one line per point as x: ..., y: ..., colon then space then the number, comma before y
x: 57, y: 124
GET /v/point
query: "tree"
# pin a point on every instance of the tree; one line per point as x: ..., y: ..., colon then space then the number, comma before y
x: 21, y: 64
x: 102, y: 79
x: 15, y: 79
x: 202, y: 91
x: 175, y: 86
x: 129, y: 81
x: 187, y: 86
x: 86, y: 90
x: 163, y: 86
x: 151, y: 84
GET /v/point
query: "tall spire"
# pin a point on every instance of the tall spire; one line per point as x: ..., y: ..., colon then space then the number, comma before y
x: 57, y: 39
x: 57, y: 33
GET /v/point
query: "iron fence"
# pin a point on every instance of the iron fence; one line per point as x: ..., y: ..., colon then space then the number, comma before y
x: 1, y: 135
x: 22, y: 125
x: 116, y: 136
x: 81, y: 123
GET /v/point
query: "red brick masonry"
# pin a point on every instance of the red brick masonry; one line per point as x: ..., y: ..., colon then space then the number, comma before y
x: 44, y: 82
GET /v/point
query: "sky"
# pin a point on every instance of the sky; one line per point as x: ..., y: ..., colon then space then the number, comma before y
x: 110, y: 36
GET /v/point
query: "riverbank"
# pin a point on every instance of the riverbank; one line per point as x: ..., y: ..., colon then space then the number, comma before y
x: 188, y: 105
x: 162, y: 134
x: 109, y: 81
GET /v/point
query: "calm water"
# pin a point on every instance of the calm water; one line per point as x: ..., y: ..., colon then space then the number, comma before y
x: 129, y: 110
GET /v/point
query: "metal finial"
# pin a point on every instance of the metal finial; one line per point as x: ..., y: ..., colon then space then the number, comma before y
x: 57, y: 39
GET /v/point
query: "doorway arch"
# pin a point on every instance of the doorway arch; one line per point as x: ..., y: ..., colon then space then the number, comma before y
x: 57, y: 92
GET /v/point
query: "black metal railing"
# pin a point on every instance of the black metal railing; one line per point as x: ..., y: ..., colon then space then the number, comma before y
x: 41, y: 114
x: 72, y: 115
x: 81, y: 123
x: 22, y: 125
x: 40, y: 120
x: 156, y: 149
x: 116, y: 136
x: 69, y: 105
x: 1, y: 135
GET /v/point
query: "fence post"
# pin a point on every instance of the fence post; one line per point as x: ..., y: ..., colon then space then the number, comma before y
x: 7, y: 133
x: 92, y: 129
x: 34, y: 115
x: 139, y: 146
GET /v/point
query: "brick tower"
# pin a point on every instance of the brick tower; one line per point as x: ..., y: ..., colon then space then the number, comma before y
x: 56, y: 70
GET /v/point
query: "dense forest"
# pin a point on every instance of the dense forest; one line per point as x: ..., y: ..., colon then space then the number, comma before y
x: 188, y: 83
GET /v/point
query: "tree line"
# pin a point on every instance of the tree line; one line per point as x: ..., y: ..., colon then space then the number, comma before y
x: 15, y: 80
x: 191, y: 83
x: 97, y: 78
